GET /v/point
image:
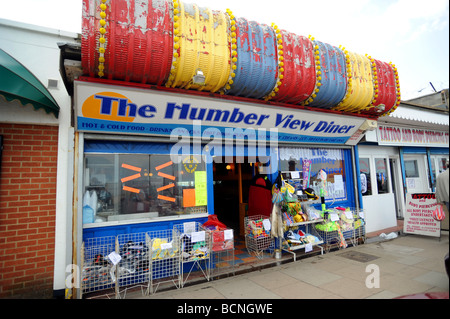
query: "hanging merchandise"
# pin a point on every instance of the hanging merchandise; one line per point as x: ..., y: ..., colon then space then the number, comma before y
x: 276, y: 221
x: 306, y: 167
x: 260, y: 196
x: 310, y: 193
x: 277, y: 196
x: 438, y: 213
x: 322, y: 176
x: 343, y: 242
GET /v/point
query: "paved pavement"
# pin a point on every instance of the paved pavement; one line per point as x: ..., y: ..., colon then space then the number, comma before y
x: 408, y: 264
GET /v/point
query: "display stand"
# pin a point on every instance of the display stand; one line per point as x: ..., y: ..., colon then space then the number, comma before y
x: 222, y: 255
x: 257, y: 235
x: 195, y: 249
x: 310, y: 238
x: 295, y: 245
x: 165, y: 252
x: 133, y: 269
x: 98, y: 272
x: 341, y: 228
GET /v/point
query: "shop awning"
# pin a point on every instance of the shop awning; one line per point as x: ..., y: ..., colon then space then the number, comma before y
x: 18, y: 83
x: 419, y: 115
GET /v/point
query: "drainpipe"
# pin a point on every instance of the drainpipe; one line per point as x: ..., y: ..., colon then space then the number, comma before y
x: 402, y: 165
x: 356, y: 170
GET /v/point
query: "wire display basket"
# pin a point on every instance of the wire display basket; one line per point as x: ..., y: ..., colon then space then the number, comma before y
x: 133, y: 269
x: 257, y: 235
x: 165, y: 252
x: 98, y: 271
x: 222, y: 252
x: 341, y: 228
x: 195, y: 243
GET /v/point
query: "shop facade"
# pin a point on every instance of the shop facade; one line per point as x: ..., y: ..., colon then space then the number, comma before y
x: 402, y: 156
x: 35, y: 162
x: 181, y: 109
x: 155, y: 167
x: 169, y: 157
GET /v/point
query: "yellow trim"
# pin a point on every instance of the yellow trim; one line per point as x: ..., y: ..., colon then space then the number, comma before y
x: 375, y: 82
x: 280, y: 61
x: 233, y: 49
x: 102, y: 40
x: 397, y: 87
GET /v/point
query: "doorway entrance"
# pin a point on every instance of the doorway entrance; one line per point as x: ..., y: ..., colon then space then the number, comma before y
x: 416, y: 174
x: 396, y: 187
x: 231, y: 189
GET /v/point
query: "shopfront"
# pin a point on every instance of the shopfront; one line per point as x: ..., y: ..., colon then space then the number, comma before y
x: 184, y: 113
x: 145, y: 172
x: 404, y: 160
x: 139, y: 171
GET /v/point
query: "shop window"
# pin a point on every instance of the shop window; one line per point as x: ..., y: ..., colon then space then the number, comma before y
x: 364, y: 176
x: 121, y: 187
x: 411, y: 169
x: 382, y: 175
x: 440, y: 161
x: 330, y: 160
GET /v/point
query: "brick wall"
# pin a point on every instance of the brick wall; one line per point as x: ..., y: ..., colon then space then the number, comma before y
x: 27, y: 209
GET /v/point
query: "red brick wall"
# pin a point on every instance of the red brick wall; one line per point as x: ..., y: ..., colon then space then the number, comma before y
x: 27, y: 209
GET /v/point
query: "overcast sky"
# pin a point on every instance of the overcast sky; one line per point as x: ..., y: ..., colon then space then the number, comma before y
x: 413, y: 34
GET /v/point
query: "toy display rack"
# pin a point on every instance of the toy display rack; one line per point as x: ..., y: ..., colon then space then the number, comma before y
x: 195, y: 249
x: 257, y: 235
x: 309, y: 229
x: 222, y: 252
x: 134, y: 267
x: 339, y: 229
x: 165, y: 252
x: 144, y: 260
x: 97, y: 270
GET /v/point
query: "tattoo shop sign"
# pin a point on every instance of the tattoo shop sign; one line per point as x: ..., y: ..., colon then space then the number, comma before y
x: 419, y: 215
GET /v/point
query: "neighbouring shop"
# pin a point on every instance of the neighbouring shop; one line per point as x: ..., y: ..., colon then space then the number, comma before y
x: 397, y: 160
x: 35, y: 137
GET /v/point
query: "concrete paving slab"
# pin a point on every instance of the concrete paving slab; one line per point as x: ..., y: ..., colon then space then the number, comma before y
x: 434, y: 278
x: 385, y: 294
x: 350, y: 289
x: 276, y: 279
x: 244, y: 288
x: 312, y: 276
x: 403, y: 285
x: 302, y: 290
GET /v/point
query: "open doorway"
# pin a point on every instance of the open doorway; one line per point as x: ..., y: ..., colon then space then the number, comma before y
x: 231, y: 189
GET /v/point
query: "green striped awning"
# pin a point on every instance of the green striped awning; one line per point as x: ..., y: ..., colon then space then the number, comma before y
x: 18, y: 83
